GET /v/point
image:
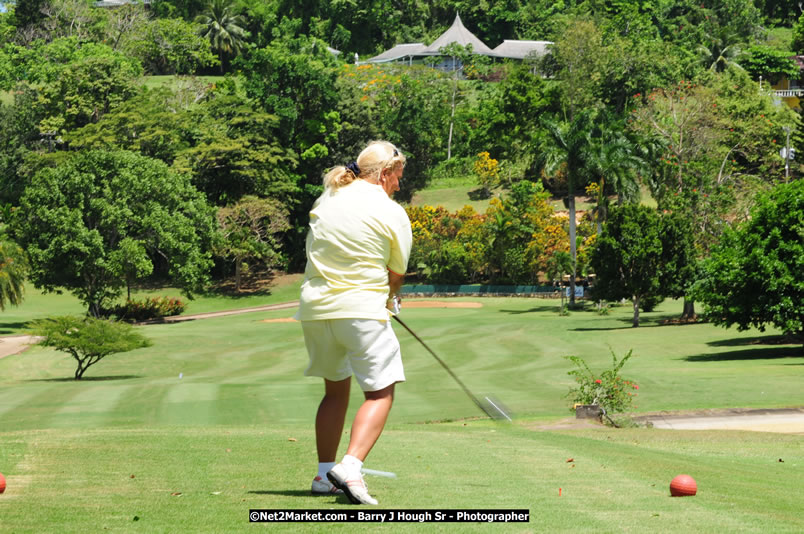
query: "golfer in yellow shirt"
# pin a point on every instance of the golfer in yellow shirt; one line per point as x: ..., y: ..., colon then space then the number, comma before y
x: 358, y: 247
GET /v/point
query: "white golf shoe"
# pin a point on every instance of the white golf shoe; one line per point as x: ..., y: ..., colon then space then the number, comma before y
x: 324, y: 487
x: 352, y: 483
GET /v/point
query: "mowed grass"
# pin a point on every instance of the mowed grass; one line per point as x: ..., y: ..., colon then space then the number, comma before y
x: 15, y: 320
x: 459, y: 192
x: 216, y: 418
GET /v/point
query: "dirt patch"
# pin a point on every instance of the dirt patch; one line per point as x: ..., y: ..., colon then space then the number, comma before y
x: 569, y: 423
x: 280, y: 320
x: 11, y: 345
x: 438, y: 304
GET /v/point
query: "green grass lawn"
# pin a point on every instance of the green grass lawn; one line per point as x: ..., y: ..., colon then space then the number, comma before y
x: 217, y: 410
x: 451, y: 198
x: 453, y: 194
x: 456, y: 197
x: 36, y: 305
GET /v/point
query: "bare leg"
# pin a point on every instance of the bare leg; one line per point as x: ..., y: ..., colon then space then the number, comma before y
x: 369, y: 421
x: 330, y: 418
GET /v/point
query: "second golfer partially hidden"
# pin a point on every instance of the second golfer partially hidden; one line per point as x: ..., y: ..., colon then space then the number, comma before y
x: 358, y: 247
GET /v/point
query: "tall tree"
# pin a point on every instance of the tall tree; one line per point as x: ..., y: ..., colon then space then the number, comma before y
x: 83, y: 90
x: 250, y: 229
x: 616, y: 164
x: 237, y: 150
x: 714, y: 145
x: 567, y: 148
x: 13, y: 271
x: 224, y: 28
x: 295, y: 80
x: 753, y: 277
x: 636, y: 257
x: 100, y: 218
x: 28, y: 12
x: 577, y: 64
x: 502, y: 122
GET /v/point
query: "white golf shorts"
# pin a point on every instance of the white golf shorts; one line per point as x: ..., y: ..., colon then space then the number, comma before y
x: 367, y: 348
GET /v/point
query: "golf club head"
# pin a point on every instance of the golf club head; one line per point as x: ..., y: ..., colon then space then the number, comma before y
x: 495, y: 409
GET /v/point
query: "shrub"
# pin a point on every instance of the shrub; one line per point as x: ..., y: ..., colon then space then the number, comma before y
x: 87, y: 339
x: 609, y: 390
x: 149, y: 308
x: 649, y: 302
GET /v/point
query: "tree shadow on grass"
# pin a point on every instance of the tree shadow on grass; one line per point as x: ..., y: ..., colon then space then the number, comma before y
x: 86, y: 378
x: 749, y: 354
x: 535, y: 309
x: 252, y: 284
x: 480, y: 193
x: 13, y: 328
x: 757, y: 340
x: 644, y: 322
x: 286, y: 493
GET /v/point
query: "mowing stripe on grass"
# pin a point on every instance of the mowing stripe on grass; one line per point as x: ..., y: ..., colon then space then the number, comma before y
x: 192, y: 404
x: 91, y: 406
x: 12, y: 397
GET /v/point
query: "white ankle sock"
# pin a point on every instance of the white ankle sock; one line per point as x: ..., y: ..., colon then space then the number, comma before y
x: 352, y: 462
x: 324, y: 467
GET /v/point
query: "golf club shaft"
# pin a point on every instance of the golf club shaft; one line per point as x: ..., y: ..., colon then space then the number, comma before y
x: 386, y: 474
x: 444, y: 365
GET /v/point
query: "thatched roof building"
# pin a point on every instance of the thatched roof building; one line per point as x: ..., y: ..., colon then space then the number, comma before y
x: 457, y: 33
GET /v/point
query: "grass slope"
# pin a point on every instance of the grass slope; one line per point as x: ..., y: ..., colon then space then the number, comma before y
x: 15, y: 319
x: 454, y: 194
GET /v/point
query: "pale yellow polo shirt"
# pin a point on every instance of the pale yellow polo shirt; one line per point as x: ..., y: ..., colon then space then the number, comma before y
x: 357, y: 233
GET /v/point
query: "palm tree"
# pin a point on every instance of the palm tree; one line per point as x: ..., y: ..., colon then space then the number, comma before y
x: 720, y: 53
x: 224, y: 29
x: 13, y: 270
x: 615, y: 159
x: 568, y: 146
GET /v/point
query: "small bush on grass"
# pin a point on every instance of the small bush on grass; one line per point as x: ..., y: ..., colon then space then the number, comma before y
x: 609, y: 390
x: 87, y: 339
x: 603, y: 308
x: 149, y: 308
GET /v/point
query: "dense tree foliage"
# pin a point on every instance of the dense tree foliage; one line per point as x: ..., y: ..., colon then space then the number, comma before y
x: 104, y: 219
x: 250, y: 229
x: 641, y: 255
x: 514, y: 241
x: 753, y: 277
x: 13, y: 272
x: 635, y: 98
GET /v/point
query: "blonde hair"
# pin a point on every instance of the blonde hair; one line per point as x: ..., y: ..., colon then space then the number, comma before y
x: 375, y: 158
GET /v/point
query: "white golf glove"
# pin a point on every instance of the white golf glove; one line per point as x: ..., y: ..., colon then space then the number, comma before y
x: 394, y: 305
